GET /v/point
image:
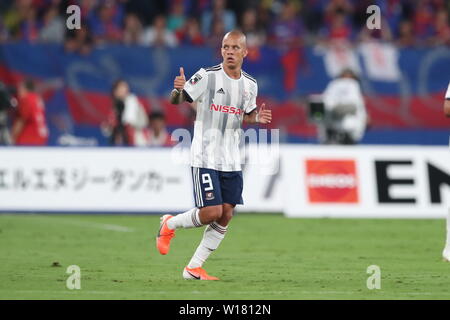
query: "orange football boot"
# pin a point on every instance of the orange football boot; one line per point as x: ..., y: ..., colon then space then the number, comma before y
x: 164, y: 235
x: 197, y: 274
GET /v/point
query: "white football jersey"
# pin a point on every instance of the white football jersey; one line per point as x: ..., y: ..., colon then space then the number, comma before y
x: 221, y: 103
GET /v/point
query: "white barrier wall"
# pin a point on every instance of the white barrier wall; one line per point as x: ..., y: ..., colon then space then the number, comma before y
x: 93, y: 180
x: 299, y: 180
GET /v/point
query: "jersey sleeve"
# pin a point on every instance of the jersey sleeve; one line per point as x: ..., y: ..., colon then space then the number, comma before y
x: 252, y: 103
x: 447, y: 94
x: 196, y: 85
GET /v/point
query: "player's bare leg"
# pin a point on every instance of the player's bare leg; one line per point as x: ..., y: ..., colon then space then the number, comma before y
x: 210, y: 214
x: 227, y: 215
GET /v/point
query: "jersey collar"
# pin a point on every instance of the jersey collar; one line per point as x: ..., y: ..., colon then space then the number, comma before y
x: 223, y: 70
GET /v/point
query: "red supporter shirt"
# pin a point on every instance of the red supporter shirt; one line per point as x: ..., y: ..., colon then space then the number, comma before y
x: 31, y: 111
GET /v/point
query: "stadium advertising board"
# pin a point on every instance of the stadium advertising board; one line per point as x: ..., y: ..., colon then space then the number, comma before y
x: 367, y: 181
x: 92, y: 180
x: 299, y: 180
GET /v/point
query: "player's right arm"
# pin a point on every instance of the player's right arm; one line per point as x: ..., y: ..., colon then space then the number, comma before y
x: 177, y: 96
x: 190, y: 90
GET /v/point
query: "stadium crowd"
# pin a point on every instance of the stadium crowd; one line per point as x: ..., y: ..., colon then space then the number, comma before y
x: 287, y: 25
x: 282, y: 23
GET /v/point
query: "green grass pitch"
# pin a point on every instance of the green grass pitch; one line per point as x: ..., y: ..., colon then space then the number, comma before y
x: 262, y: 257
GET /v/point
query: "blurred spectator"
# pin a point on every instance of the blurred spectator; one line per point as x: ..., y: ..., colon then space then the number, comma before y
x: 106, y: 24
x: 343, y: 6
x: 423, y: 21
x: 392, y: 12
x: 53, y: 27
x: 255, y: 35
x: 133, y: 29
x: 131, y: 119
x: 382, y: 34
x: 15, y: 15
x: 313, y: 12
x: 158, y: 34
x: 345, y: 112
x: 406, y: 36
x: 6, y: 105
x: 339, y: 28
x: 147, y: 10
x: 176, y: 18
x: 441, y: 29
x: 112, y: 21
x: 78, y: 40
x: 359, y: 13
x: 158, y: 135
x: 214, y: 39
x: 30, y: 26
x: 118, y: 134
x: 87, y: 8
x: 286, y: 35
x: 287, y: 30
x: 30, y: 127
x: 190, y: 34
x: 218, y: 13
x: 4, y: 33
x: 264, y: 14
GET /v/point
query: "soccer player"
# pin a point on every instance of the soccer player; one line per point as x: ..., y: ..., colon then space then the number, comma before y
x: 446, y: 252
x: 225, y: 96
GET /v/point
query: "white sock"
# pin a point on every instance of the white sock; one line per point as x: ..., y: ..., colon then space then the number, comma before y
x: 188, y: 219
x: 212, y: 237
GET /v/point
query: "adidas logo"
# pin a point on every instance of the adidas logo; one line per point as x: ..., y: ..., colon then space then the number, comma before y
x: 220, y: 91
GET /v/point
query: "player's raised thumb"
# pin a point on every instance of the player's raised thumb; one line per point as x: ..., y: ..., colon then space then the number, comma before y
x: 263, y: 107
x: 181, y: 72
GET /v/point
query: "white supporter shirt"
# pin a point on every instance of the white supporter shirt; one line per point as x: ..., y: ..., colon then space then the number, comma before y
x: 135, y: 116
x: 150, y: 36
x: 221, y: 103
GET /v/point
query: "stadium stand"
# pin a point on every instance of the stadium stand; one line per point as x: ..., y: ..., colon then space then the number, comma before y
x: 403, y: 68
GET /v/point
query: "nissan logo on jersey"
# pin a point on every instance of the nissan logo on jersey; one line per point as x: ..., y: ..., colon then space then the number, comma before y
x: 226, y: 109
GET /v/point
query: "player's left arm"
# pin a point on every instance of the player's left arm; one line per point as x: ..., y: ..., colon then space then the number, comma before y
x: 263, y: 116
x: 252, y: 115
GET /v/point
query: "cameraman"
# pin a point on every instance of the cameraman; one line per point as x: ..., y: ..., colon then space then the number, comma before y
x: 345, y: 113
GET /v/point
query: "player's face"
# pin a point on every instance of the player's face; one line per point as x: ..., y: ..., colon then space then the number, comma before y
x: 233, y: 51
